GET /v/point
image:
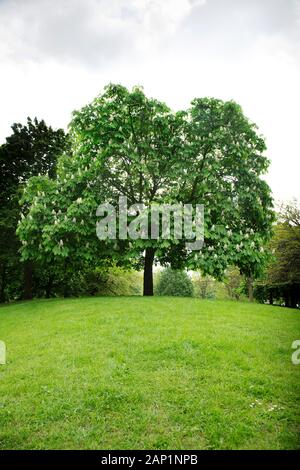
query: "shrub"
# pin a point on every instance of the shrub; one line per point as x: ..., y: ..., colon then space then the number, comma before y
x: 174, y: 283
x: 204, y: 286
x: 113, y: 281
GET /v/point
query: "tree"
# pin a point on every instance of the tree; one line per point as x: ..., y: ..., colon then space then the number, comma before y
x: 10, y: 272
x: 204, y: 286
x: 233, y: 282
x: 282, y: 278
x: 124, y: 143
x: 112, y: 281
x: 31, y: 149
x: 175, y: 283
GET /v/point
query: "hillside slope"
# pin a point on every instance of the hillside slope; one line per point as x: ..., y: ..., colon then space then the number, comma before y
x: 154, y: 373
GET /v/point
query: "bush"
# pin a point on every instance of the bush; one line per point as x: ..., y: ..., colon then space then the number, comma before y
x: 174, y: 283
x: 204, y: 286
x: 234, y: 283
x: 113, y: 281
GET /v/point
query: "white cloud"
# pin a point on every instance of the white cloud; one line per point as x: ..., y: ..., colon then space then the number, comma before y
x: 92, y: 32
x: 57, y: 55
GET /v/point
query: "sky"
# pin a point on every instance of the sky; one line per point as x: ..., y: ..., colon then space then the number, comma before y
x: 57, y: 55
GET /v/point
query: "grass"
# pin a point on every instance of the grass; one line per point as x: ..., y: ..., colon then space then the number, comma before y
x: 153, y: 373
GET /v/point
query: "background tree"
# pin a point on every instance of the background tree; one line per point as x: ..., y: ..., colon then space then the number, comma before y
x: 282, y: 279
x: 112, y: 281
x: 174, y: 283
x: 204, y: 286
x: 234, y: 282
x: 125, y: 143
x: 32, y: 149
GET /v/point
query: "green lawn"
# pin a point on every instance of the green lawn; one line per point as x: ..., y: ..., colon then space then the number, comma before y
x: 154, y: 373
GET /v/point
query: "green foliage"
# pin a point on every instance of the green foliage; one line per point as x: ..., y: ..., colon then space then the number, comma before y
x: 231, y: 287
x: 234, y: 283
x: 285, y: 269
x: 175, y: 283
x: 112, y: 281
x: 125, y: 143
x: 282, y: 278
x: 31, y: 149
x: 148, y: 373
x: 10, y: 268
x: 204, y: 286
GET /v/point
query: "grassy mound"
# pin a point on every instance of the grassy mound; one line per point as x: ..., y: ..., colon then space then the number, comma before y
x: 154, y: 373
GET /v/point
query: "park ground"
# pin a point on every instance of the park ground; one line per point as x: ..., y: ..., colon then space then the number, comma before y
x: 148, y: 373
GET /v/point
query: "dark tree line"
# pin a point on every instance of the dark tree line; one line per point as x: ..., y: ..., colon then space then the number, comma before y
x: 30, y: 150
x: 281, y: 282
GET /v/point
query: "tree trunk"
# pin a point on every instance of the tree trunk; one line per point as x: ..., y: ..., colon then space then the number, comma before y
x: 3, y: 282
x: 28, y: 270
x: 250, y: 288
x: 49, y: 287
x: 271, y: 297
x: 293, y: 302
x: 286, y: 300
x: 148, y: 272
x: 66, y: 285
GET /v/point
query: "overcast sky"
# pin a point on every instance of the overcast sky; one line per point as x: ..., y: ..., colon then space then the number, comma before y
x: 57, y: 55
